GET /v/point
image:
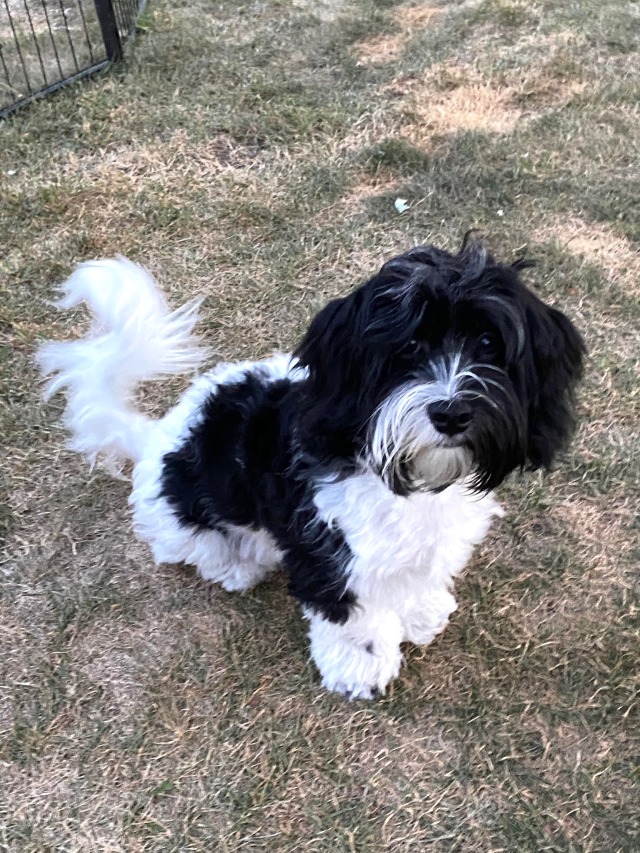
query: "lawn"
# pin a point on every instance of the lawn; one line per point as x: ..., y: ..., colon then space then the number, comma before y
x: 253, y: 152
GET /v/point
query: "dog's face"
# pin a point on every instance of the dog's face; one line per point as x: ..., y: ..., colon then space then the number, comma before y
x: 443, y: 366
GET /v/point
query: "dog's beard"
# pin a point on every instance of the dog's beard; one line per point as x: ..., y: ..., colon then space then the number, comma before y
x: 405, y: 448
x: 435, y: 468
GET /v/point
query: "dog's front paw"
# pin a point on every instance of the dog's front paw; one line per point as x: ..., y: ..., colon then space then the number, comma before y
x: 353, y: 691
x: 428, y: 617
x: 358, y: 673
x: 357, y: 663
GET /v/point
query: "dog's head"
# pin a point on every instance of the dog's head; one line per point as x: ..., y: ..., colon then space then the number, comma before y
x: 442, y: 367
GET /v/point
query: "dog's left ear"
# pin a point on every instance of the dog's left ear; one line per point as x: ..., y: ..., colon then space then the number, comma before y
x: 558, y: 353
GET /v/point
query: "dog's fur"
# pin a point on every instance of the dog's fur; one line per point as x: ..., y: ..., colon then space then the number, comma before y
x: 363, y: 464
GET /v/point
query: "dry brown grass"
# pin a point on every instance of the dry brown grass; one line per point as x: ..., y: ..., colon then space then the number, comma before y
x: 453, y: 97
x: 475, y: 106
x: 598, y: 244
x: 246, y: 155
x: 386, y: 48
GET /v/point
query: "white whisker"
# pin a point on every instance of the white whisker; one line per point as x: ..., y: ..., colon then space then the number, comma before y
x: 402, y: 436
x: 484, y: 381
x: 476, y: 395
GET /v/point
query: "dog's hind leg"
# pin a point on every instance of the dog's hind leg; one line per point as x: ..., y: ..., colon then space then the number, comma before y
x: 236, y: 558
x: 236, y: 563
x: 218, y: 556
x: 227, y: 569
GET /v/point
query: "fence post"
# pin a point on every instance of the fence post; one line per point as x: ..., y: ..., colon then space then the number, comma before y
x: 109, y: 27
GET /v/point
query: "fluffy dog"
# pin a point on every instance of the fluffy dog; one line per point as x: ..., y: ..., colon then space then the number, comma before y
x: 363, y: 464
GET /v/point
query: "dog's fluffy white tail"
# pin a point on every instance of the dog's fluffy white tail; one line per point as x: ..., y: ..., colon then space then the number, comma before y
x: 134, y: 338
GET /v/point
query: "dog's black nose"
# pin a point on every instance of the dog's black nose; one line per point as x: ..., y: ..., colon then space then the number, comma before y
x: 450, y: 417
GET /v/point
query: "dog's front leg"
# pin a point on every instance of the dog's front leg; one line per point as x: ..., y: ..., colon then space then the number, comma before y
x: 355, y: 642
x: 427, y: 615
x: 360, y: 657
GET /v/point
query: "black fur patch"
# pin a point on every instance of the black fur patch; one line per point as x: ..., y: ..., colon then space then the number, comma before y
x: 239, y: 466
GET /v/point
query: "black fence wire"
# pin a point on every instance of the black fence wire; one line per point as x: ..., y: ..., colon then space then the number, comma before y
x: 46, y: 44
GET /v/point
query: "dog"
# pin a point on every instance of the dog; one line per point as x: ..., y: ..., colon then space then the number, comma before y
x: 364, y: 463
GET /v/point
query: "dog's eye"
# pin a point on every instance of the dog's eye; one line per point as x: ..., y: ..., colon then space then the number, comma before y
x: 488, y: 344
x: 413, y: 347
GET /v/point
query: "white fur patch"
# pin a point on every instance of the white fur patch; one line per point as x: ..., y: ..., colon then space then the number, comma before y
x: 407, y: 551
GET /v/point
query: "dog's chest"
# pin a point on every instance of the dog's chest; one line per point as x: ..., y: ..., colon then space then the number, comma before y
x: 393, y: 536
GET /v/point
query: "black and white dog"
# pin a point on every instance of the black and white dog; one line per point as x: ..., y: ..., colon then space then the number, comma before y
x: 363, y: 464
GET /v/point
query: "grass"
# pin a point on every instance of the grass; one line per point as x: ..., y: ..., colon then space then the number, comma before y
x: 253, y: 153
x: 45, y: 43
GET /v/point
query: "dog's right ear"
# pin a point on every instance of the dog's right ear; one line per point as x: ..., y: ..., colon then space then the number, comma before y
x: 327, y: 349
x: 330, y: 407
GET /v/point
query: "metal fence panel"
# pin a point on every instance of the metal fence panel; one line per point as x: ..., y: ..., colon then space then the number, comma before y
x: 46, y: 44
